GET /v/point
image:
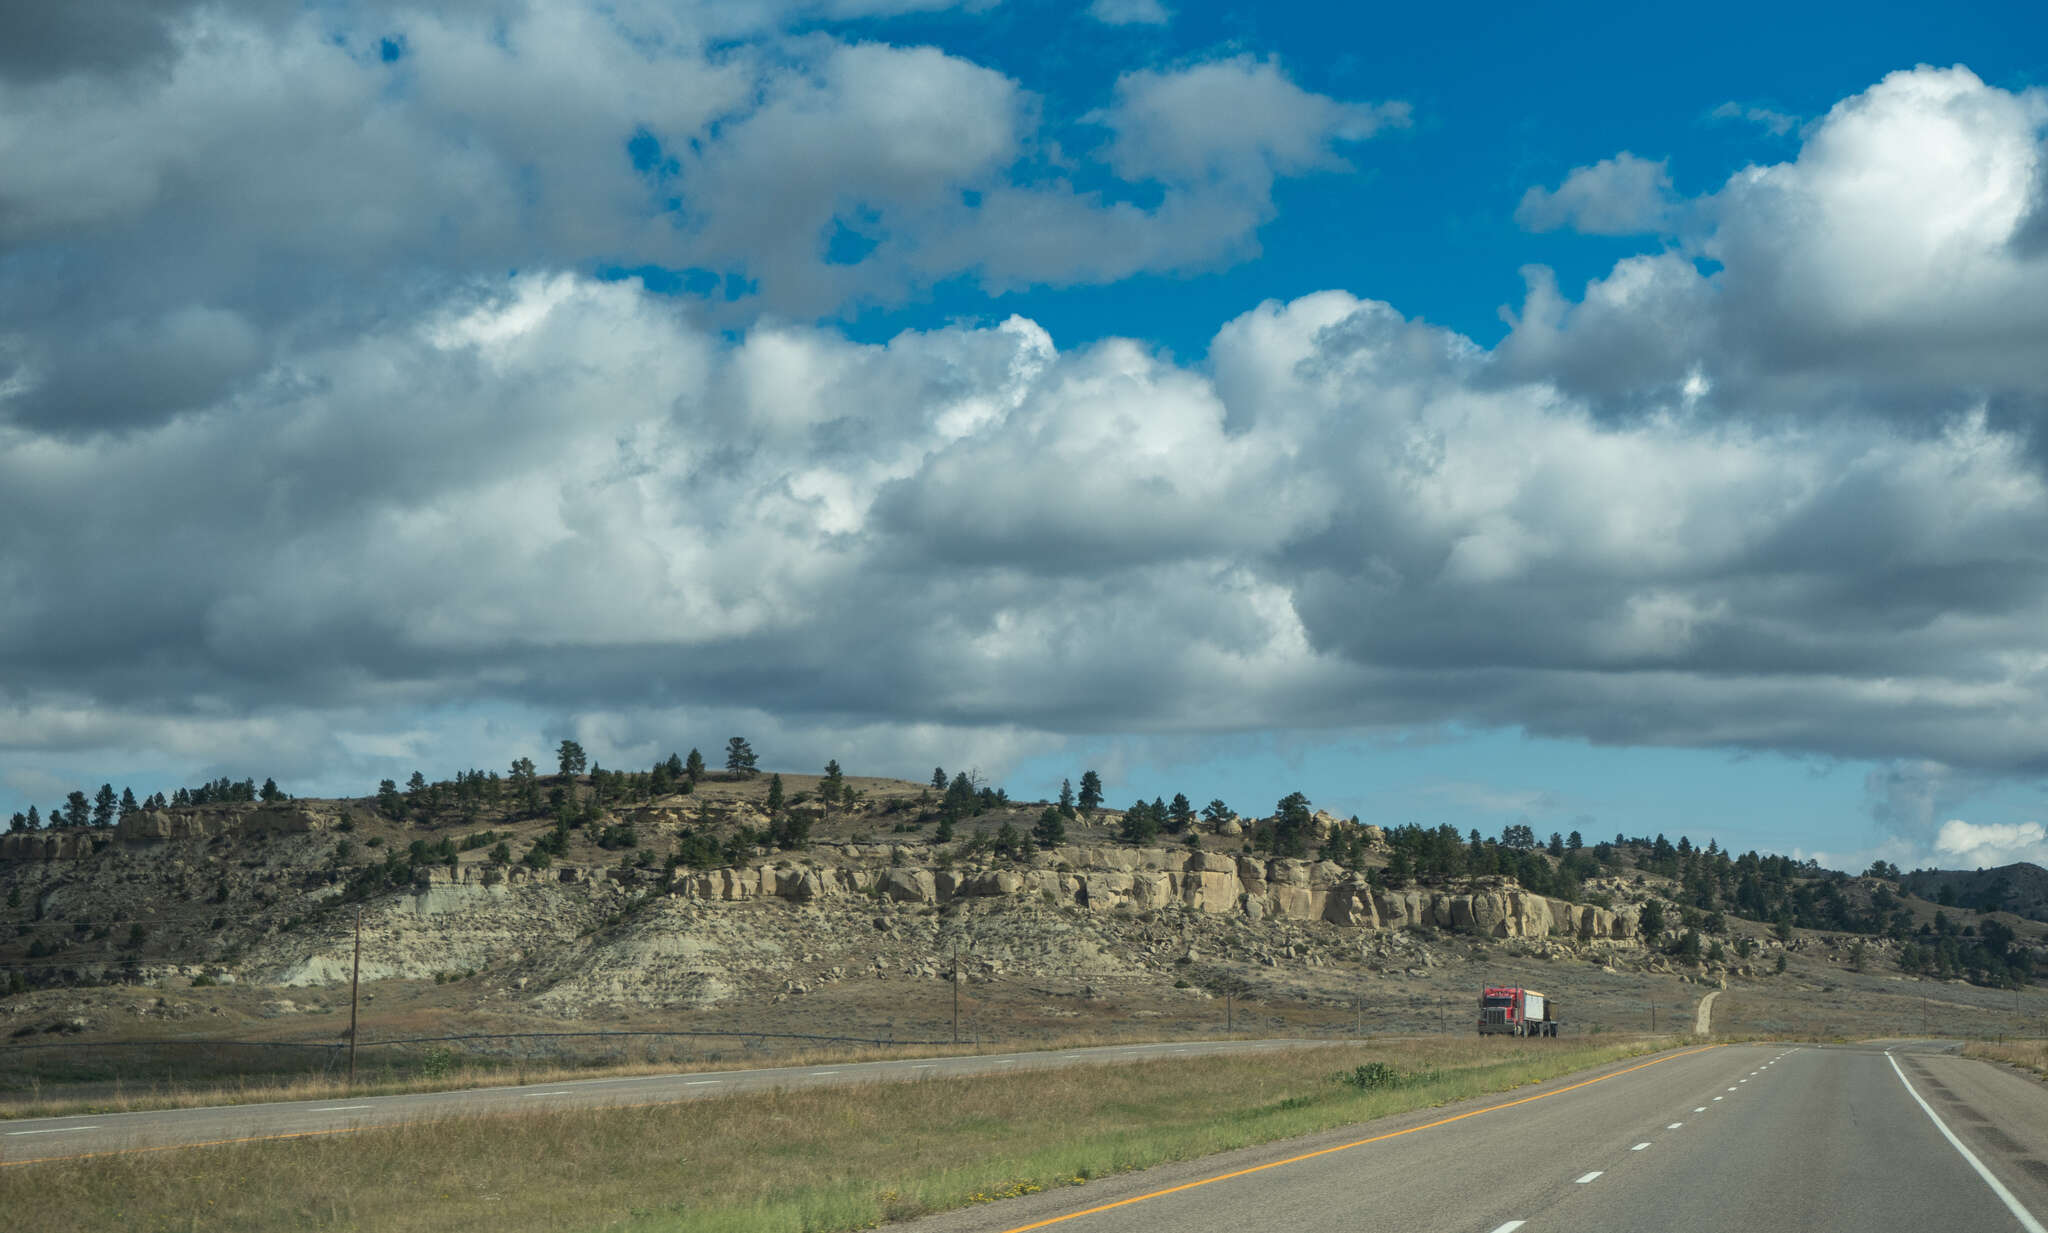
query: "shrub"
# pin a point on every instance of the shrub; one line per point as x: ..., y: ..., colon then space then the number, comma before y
x: 1371, y: 1076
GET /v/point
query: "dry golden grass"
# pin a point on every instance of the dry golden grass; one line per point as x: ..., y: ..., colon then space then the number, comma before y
x: 2028, y: 1055
x: 820, y: 1159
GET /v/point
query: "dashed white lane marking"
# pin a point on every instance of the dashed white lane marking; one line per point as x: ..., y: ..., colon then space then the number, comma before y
x: 340, y: 1108
x: 2005, y: 1196
x: 1006, y: 1061
x: 824, y: 1072
x: 1510, y: 1226
x: 1639, y: 1147
x: 1674, y: 1125
x: 1720, y: 1098
x: 1717, y: 1097
x: 924, y: 1066
x: 1701, y: 1109
x: 54, y: 1130
x: 1588, y: 1177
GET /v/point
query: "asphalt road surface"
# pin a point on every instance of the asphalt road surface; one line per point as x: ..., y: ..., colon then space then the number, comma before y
x: 1750, y: 1138
x: 35, y: 1139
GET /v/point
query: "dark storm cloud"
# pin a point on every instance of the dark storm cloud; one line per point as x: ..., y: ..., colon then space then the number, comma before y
x: 48, y: 40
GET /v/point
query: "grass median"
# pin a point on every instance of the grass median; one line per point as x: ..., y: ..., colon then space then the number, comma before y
x: 820, y: 1160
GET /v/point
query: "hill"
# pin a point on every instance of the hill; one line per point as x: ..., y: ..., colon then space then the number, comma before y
x: 742, y: 903
x: 2021, y: 889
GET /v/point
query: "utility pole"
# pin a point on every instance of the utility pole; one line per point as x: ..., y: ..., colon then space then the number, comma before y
x: 355, y: 981
x: 1653, y: 1018
x: 956, y: 991
x: 1923, y: 1014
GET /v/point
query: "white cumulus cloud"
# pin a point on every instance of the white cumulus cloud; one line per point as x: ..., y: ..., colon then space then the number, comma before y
x: 1975, y: 845
x: 1623, y: 195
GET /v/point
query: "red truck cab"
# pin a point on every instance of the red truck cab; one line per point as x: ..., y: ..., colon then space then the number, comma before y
x: 1513, y: 1011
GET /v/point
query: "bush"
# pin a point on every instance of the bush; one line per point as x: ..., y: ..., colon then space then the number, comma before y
x: 1371, y: 1076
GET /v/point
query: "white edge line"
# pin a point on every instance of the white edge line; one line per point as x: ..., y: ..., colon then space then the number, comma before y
x: 1589, y: 1177
x: 2005, y: 1196
x: 340, y: 1108
x: 54, y: 1130
x: 702, y: 1082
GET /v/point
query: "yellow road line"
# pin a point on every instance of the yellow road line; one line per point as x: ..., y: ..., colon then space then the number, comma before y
x: 1345, y: 1147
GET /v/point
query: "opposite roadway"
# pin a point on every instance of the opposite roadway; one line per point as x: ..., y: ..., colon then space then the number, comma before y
x: 1764, y: 1138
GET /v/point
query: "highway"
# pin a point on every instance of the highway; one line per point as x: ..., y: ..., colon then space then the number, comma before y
x: 32, y: 1139
x: 1759, y: 1138
x: 1752, y: 1138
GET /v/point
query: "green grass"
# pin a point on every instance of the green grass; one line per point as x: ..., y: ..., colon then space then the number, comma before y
x: 821, y: 1159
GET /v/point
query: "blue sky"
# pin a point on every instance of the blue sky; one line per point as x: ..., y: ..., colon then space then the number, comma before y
x: 1628, y: 423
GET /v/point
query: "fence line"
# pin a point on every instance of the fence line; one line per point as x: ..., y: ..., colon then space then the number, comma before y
x: 428, y: 1040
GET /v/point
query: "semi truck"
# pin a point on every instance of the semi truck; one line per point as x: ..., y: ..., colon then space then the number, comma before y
x: 1512, y: 1011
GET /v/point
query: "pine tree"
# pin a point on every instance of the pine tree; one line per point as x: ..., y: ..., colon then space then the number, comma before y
x: 1091, y: 792
x: 834, y: 785
x: 1139, y: 825
x: 19, y: 822
x: 693, y: 769
x: 1292, y: 823
x: 961, y: 799
x: 1066, y: 798
x: 128, y: 804
x: 103, y: 806
x: 34, y: 823
x: 569, y: 755
x: 270, y: 791
x: 1216, y: 813
x: 674, y: 766
x: 938, y: 779
x: 1180, y: 815
x: 1051, y: 830
x: 77, y: 810
x: 774, y: 795
x: 739, y: 757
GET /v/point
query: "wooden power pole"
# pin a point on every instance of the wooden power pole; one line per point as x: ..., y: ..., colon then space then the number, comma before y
x: 355, y: 981
x: 956, y: 991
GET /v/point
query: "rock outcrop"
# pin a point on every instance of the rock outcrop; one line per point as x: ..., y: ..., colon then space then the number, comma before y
x: 1111, y: 879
